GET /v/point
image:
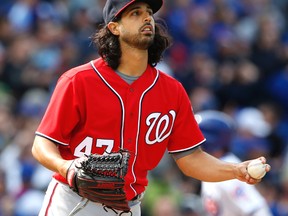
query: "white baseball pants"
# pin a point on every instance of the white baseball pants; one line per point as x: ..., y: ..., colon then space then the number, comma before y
x: 61, y: 200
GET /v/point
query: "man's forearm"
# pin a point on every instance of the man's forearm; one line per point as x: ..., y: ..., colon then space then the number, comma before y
x: 205, y: 167
x: 47, y: 153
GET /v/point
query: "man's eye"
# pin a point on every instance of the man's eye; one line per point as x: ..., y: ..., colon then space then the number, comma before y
x: 135, y: 13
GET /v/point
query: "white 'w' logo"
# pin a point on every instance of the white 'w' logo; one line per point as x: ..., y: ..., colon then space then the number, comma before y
x: 160, y: 125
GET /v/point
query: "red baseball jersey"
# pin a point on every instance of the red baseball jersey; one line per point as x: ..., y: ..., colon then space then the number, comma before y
x: 93, y: 110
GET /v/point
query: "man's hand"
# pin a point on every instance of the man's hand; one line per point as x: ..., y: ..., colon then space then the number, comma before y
x: 241, y: 172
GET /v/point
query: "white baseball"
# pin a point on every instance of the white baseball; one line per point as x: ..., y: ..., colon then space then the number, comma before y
x: 256, y: 169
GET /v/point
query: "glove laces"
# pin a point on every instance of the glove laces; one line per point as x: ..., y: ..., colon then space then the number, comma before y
x: 121, y: 213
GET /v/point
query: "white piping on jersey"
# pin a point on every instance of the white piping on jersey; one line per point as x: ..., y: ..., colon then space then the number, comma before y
x: 123, y: 115
x: 182, y: 150
x: 138, y: 127
x: 50, y: 138
x: 121, y: 101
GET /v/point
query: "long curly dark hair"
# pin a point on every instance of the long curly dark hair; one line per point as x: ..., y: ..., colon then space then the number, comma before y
x: 109, y: 47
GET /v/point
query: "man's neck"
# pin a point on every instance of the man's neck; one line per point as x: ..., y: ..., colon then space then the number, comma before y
x: 133, y: 62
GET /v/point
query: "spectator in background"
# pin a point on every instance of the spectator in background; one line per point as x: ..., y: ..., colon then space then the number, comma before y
x: 277, y: 86
x: 239, y: 83
x: 7, y: 119
x: 265, y: 52
x: 229, y: 197
x: 252, y: 133
x: 274, y: 115
x: 6, y: 200
x: 203, y: 98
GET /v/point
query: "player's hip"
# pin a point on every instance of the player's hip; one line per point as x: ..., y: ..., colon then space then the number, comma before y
x: 61, y: 200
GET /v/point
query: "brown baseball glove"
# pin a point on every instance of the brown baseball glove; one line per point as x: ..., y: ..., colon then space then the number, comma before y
x: 100, y: 178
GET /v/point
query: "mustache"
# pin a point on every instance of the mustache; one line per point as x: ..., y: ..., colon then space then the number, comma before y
x: 147, y: 24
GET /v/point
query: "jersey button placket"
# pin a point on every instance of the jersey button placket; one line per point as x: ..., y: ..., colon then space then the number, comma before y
x: 130, y: 115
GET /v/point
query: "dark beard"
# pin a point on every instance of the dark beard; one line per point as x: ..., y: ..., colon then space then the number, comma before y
x: 140, y: 41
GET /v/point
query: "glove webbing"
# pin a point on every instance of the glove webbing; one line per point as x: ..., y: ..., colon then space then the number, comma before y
x: 111, y: 165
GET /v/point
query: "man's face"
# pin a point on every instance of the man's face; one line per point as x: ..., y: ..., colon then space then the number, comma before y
x: 137, y: 26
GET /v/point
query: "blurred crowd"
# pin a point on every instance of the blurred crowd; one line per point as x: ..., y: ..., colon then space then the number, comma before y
x: 230, y: 55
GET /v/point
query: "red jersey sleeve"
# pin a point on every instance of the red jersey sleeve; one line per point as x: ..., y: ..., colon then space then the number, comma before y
x: 62, y: 113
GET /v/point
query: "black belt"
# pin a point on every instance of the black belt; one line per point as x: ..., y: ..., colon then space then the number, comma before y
x: 137, y: 197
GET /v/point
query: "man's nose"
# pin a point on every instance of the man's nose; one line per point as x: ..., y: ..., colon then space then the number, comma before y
x: 148, y: 18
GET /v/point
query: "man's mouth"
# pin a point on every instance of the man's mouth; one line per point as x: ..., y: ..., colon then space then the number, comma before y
x: 148, y: 29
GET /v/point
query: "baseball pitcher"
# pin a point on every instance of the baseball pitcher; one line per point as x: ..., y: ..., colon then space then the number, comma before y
x: 110, y: 121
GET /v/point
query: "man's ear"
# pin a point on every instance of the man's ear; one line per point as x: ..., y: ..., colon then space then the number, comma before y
x: 113, y: 27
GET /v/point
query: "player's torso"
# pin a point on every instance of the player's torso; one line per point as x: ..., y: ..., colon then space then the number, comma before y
x: 92, y: 110
x: 117, y: 115
x: 137, y: 117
